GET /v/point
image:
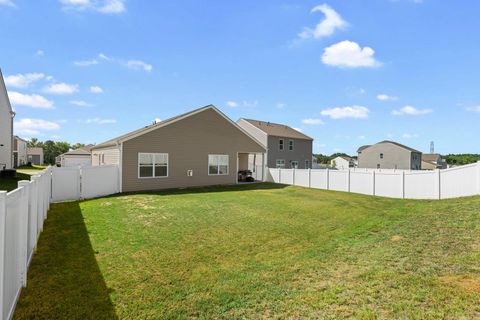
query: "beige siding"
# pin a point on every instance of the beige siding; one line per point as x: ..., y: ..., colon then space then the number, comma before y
x: 109, y: 155
x: 188, y: 143
x: 394, y: 157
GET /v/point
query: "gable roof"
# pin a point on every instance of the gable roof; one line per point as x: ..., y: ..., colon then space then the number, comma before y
x: 278, y: 130
x: 18, y: 138
x: 77, y: 152
x: 429, y: 157
x: 392, y: 142
x: 149, y: 128
x: 3, y: 91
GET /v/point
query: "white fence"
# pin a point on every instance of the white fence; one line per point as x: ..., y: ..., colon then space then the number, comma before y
x: 439, y: 184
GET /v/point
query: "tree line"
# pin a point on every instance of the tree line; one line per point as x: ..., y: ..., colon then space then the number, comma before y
x: 52, y: 149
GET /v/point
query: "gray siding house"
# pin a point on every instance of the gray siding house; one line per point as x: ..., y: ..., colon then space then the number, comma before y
x: 286, y: 147
x: 199, y: 148
x: 389, y: 155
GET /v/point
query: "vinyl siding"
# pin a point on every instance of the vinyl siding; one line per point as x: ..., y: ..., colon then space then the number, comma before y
x: 111, y: 156
x: 188, y: 143
x: 302, y: 151
x: 394, y: 157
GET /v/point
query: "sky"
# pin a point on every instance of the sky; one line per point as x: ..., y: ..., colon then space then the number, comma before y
x: 346, y: 73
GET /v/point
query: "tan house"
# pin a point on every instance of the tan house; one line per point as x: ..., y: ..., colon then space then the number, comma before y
x: 389, y: 155
x: 35, y: 156
x: 432, y: 161
x: 343, y: 162
x: 199, y: 148
x: 74, y: 158
x: 286, y: 147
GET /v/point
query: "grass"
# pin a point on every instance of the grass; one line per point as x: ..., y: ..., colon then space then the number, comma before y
x: 9, y: 184
x: 33, y: 169
x: 256, y: 251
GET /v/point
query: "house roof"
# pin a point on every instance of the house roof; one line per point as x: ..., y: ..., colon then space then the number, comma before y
x: 278, y: 130
x: 77, y: 152
x: 17, y: 137
x: 392, y: 142
x: 346, y: 158
x: 160, y: 124
x: 429, y: 157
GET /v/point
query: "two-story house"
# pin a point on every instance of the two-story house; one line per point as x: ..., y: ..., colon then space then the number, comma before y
x: 19, y: 151
x: 286, y: 147
x: 6, y: 128
x: 389, y: 155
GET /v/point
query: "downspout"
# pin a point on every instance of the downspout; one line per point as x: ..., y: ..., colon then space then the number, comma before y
x: 12, y: 113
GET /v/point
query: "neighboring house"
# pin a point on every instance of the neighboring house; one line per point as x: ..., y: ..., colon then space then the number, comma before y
x: 74, y: 158
x: 35, y: 156
x: 199, y: 148
x: 6, y: 128
x: 343, y: 162
x: 19, y: 151
x: 286, y: 147
x: 432, y: 161
x: 389, y: 155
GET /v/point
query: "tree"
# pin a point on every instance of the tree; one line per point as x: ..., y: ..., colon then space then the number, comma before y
x: 77, y: 145
x: 52, y: 149
x: 34, y: 143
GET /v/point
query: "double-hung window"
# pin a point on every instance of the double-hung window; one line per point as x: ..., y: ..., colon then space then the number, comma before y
x: 217, y: 164
x: 152, y: 165
x: 280, y: 144
x: 290, y: 145
x: 280, y: 163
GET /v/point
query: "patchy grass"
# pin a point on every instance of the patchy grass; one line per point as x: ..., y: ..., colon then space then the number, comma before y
x: 9, y: 184
x: 256, y: 251
x: 31, y: 170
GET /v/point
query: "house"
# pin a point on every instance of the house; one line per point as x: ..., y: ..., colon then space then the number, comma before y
x: 74, y: 158
x: 6, y: 127
x: 19, y: 151
x: 343, y: 162
x: 199, y: 148
x: 432, y: 161
x: 286, y: 147
x: 35, y: 156
x: 389, y: 155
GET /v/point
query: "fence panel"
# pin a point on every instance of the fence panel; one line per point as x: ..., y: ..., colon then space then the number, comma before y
x: 286, y: 176
x: 302, y: 177
x: 421, y: 185
x: 389, y: 184
x: 361, y: 182
x: 258, y: 173
x: 338, y: 180
x: 460, y: 181
x: 273, y: 175
x: 66, y: 183
x: 99, y: 181
x: 319, y: 178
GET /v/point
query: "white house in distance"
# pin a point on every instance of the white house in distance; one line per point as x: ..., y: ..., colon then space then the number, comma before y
x: 19, y: 151
x: 74, y: 158
x: 343, y: 162
x: 6, y: 128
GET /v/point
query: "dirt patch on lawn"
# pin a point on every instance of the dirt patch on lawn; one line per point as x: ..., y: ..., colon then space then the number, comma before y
x: 466, y: 282
x: 396, y: 238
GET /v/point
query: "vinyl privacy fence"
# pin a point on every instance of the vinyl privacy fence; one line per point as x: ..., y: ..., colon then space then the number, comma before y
x: 439, y: 184
x: 23, y: 211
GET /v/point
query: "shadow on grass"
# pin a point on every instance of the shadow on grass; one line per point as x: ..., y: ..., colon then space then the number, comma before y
x: 64, y: 280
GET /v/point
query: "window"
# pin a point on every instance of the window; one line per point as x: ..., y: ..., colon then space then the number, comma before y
x: 294, y: 164
x: 381, y: 155
x: 103, y: 158
x: 280, y: 145
x: 290, y: 145
x: 152, y: 165
x: 378, y: 166
x: 217, y: 164
x: 307, y: 164
x: 280, y: 163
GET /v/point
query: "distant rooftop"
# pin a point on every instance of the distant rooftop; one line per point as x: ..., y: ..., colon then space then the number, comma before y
x: 392, y: 142
x: 278, y: 130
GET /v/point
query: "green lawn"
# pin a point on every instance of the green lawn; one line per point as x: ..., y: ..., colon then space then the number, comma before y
x: 31, y: 170
x: 256, y: 251
x: 9, y: 184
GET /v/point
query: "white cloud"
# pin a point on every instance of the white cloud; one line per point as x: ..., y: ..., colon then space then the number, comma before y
x: 312, y: 121
x: 281, y: 105
x: 29, y: 100
x: 327, y: 26
x: 361, y: 137
x: 100, y: 121
x: 409, y: 135
x: 101, y: 6
x: 411, y: 111
x: 298, y: 129
x: 250, y: 104
x: 349, y: 54
x: 23, y: 80
x: 232, y: 104
x: 80, y: 103
x: 7, y: 3
x: 85, y: 63
x: 28, y: 126
x: 474, y: 109
x: 96, y: 89
x: 157, y: 120
x: 139, y: 65
x: 61, y: 88
x: 40, y: 53
x: 386, y: 97
x: 355, y: 112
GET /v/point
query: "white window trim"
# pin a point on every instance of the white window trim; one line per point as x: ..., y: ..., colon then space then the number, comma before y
x: 218, y: 174
x: 153, y: 177
x: 294, y: 161
x: 282, y: 144
x: 292, y: 144
x: 276, y: 163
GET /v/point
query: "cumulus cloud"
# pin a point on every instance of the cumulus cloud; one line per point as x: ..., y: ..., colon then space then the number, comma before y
x: 23, y: 80
x: 85, y: 63
x: 474, y: 109
x: 139, y: 65
x: 386, y: 97
x: 355, y: 112
x: 411, y: 111
x: 133, y: 64
x: 80, y: 103
x: 29, y: 100
x: 409, y: 135
x: 29, y: 126
x: 349, y: 54
x: 312, y: 121
x: 101, y: 6
x: 232, y: 104
x: 7, y: 3
x: 61, y: 88
x: 332, y: 22
x: 244, y: 103
x: 100, y: 121
x: 96, y: 89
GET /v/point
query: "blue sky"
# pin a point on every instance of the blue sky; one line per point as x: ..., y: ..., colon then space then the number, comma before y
x: 346, y: 73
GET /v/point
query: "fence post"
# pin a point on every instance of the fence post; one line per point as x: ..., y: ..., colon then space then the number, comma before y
x: 293, y: 176
x: 403, y: 184
x: 23, y: 234
x: 348, y: 180
x: 328, y: 179
x: 3, y: 221
x: 279, y: 175
x: 438, y: 187
x: 373, y: 182
x: 478, y: 177
x: 310, y: 177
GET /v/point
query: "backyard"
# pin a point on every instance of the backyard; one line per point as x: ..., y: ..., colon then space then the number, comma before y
x: 256, y: 251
